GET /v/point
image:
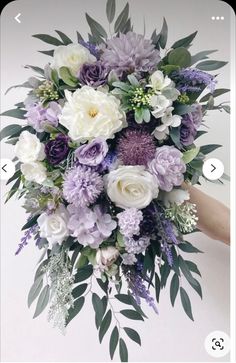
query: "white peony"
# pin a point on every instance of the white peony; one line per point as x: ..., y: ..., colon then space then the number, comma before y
x: 53, y: 226
x: 178, y: 196
x: 159, y: 81
x: 105, y: 257
x: 131, y: 187
x: 34, y: 172
x: 29, y: 148
x: 90, y: 113
x: 159, y: 103
x: 72, y: 56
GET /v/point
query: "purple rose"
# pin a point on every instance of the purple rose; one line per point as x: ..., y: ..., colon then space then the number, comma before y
x: 93, y: 74
x: 168, y: 167
x: 39, y: 117
x: 92, y: 154
x: 189, y: 125
x: 57, y: 150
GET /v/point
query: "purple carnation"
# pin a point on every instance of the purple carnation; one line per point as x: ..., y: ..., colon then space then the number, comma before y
x: 136, y: 147
x: 57, y: 150
x: 39, y: 117
x: 129, y: 221
x: 92, y: 154
x: 82, y: 186
x: 93, y: 74
x: 90, y: 226
x: 168, y: 167
x: 131, y: 52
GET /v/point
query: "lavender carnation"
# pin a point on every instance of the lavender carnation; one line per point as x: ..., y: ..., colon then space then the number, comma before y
x: 93, y: 74
x: 136, y: 246
x: 136, y: 147
x: 93, y: 153
x: 130, y: 53
x: 39, y: 117
x: 168, y: 167
x: 90, y: 226
x: 82, y: 186
x: 129, y: 221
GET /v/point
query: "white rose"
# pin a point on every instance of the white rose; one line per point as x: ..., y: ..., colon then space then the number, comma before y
x: 159, y: 103
x: 29, y: 149
x: 105, y: 257
x: 90, y: 113
x: 72, y: 56
x: 34, y: 172
x: 53, y: 226
x: 178, y: 196
x: 158, y: 81
x: 131, y: 187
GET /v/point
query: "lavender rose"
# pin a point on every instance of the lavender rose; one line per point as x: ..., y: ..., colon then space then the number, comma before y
x: 92, y: 154
x: 57, y: 150
x: 168, y: 167
x: 93, y: 74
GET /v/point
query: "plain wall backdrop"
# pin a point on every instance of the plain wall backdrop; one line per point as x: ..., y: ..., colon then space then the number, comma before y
x: 170, y: 336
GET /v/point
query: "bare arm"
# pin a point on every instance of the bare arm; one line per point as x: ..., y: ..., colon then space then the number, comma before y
x: 213, y: 216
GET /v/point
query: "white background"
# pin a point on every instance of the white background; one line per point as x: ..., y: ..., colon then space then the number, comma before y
x: 171, y: 336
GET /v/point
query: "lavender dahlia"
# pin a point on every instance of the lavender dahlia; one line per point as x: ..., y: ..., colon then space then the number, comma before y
x: 136, y: 147
x: 130, y: 52
x: 93, y: 74
x: 57, y: 150
x: 82, y: 186
x: 168, y: 167
x: 93, y: 153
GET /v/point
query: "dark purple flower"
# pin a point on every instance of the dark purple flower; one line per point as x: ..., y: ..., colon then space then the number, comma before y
x: 93, y: 74
x: 57, y: 150
x: 136, y: 147
x: 92, y: 154
x: 196, y: 114
x: 188, y: 131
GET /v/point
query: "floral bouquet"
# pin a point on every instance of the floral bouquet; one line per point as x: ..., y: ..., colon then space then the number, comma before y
x: 107, y: 141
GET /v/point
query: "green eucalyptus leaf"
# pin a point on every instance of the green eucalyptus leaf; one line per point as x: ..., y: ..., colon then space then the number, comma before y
x: 36, y: 69
x: 202, y: 55
x: 226, y: 108
x: 187, y: 273
x: 133, y: 335
x: 122, y: 19
x: 16, y: 113
x: 186, y: 303
x: 126, y: 299
x: 42, y: 301
x: 164, y: 271
x: 216, y: 93
x: 179, y: 57
x: 95, y: 27
x: 65, y: 39
x: 15, y: 176
x: 105, y: 325
x: 9, y: 130
x: 47, y: 52
x: 113, y: 341
x: 103, y: 285
x: 184, y: 42
x: 131, y: 314
x: 111, y: 10
x: 123, y: 351
x: 79, y: 290
x: 175, y: 136
x: 192, y: 267
x: 31, y: 222
x: 48, y: 39
x: 157, y: 287
x: 163, y: 34
x: 23, y: 85
x: 98, y: 308
x: 210, y: 65
x: 174, y: 288
x: 206, y: 149
x: 78, y: 304
x: 83, y: 273
x: 189, y: 155
x: 79, y: 37
x: 188, y: 247
x: 35, y: 290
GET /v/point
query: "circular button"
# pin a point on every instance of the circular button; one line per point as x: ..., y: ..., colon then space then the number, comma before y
x: 217, y: 344
x: 213, y: 169
x: 7, y: 169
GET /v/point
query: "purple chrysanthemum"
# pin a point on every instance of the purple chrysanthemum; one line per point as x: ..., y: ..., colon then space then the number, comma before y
x: 129, y: 221
x: 168, y: 167
x: 136, y: 147
x: 130, y: 53
x: 193, y: 80
x: 136, y: 246
x: 82, y: 186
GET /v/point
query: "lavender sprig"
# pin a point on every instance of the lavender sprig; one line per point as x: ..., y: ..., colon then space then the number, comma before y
x: 25, y: 239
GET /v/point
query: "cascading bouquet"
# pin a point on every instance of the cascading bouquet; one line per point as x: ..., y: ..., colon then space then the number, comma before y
x: 106, y: 143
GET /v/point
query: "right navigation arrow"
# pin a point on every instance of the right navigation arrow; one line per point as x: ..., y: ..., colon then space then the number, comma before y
x: 213, y: 168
